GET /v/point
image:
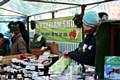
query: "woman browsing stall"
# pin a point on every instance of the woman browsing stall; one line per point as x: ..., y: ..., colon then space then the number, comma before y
x: 18, y: 43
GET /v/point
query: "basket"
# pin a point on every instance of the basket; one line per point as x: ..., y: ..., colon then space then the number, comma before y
x: 37, y: 51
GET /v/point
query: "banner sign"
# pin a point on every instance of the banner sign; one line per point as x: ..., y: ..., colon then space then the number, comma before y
x: 58, y: 29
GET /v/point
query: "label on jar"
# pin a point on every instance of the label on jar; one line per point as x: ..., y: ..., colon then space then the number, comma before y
x: 19, y: 76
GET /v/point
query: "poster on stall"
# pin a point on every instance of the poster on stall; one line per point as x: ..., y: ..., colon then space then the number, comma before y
x: 59, y: 29
x: 112, y: 68
x: 114, y: 10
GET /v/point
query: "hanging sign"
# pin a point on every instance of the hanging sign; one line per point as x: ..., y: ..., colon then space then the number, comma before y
x: 58, y: 29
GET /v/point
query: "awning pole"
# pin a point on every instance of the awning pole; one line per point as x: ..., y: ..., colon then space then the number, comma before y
x: 53, y: 15
x: 82, y: 12
x: 28, y: 17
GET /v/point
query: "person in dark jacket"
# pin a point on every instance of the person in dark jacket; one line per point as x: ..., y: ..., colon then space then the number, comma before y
x: 86, y: 53
x: 4, y: 45
x: 8, y: 34
x: 18, y: 43
x: 39, y: 41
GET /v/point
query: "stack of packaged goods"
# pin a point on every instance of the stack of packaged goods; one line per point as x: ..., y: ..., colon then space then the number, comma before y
x: 26, y: 67
x: 22, y: 70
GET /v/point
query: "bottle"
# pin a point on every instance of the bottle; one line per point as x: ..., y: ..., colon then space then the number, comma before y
x: 15, y: 74
x: 3, y: 75
x: 27, y: 73
x: 19, y: 76
x: 9, y: 75
x: 41, y: 70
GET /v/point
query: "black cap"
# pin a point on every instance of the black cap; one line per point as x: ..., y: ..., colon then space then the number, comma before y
x: 11, y: 24
x: 15, y: 29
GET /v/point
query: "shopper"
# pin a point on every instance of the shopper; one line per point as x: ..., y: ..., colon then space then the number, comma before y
x: 4, y: 45
x: 18, y: 43
x: 86, y: 53
x: 24, y: 33
x: 8, y: 34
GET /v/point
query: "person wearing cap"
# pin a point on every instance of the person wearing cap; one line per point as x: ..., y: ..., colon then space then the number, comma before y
x: 4, y: 45
x: 86, y: 53
x: 18, y: 43
x: 7, y: 34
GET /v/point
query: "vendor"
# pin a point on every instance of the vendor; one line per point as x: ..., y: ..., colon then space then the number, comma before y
x: 86, y: 53
x: 39, y: 41
x: 42, y: 41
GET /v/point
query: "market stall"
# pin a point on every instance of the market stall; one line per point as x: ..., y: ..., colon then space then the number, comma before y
x: 52, y: 19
